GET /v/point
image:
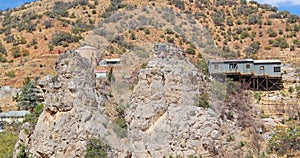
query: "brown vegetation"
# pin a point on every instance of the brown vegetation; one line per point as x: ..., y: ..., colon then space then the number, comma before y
x: 238, y: 28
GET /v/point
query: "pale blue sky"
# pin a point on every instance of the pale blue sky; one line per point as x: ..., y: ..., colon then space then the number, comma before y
x: 292, y: 6
x: 4, y: 4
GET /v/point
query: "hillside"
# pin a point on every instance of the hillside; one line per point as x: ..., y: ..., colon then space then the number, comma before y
x: 34, y: 33
x: 155, y: 103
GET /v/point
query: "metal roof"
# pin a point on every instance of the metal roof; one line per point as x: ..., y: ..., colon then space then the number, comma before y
x: 232, y: 61
x: 14, y: 113
x: 112, y: 60
x: 266, y: 61
x: 247, y: 61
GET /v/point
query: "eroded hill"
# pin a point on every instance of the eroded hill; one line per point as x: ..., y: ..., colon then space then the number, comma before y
x: 34, y: 32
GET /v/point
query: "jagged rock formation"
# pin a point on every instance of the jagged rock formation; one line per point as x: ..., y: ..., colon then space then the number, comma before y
x: 162, y: 119
x: 71, y: 113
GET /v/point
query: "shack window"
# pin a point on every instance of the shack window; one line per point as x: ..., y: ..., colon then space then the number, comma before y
x: 248, y: 66
x: 216, y: 66
x: 262, y: 67
x: 277, y: 69
x: 233, y: 66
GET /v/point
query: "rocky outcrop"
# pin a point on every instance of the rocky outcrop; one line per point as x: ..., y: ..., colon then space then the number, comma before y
x: 72, y: 109
x: 163, y: 117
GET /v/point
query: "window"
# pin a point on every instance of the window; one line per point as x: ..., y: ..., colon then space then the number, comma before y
x: 262, y: 67
x: 233, y: 66
x: 216, y: 66
x: 277, y: 69
x: 248, y: 66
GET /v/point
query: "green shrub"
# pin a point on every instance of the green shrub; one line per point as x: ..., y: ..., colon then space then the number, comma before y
x: 202, y: 100
x: 257, y: 96
x: 33, y: 117
x: 16, y: 52
x: 120, y: 127
x: 2, y: 49
x: 230, y: 138
x: 229, y: 115
x: 292, y: 18
x: 169, y: 31
x: 190, y: 50
x: 2, y: 59
x: 7, y: 144
x: 179, y: 4
x: 280, y: 42
x: 144, y: 65
x: 297, y: 88
x: 61, y: 37
x: 253, y: 19
x: 291, y: 89
x: 147, y: 31
x: 23, y: 153
x: 264, y: 116
x: 267, y: 48
x: 244, y: 35
x: 242, y: 143
x: 11, y: 74
x: 218, y: 18
x: 253, y: 48
x: 285, y: 140
x: 60, y: 8
x: 202, y: 65
x: 97, y: 148
x: 9, y: 38
x: 271, y: 33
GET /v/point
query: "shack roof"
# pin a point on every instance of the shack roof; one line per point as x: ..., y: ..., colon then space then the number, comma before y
x: 267, y: 62
x: 14, y: 113
x: 246, y: 61
x: 112, y: 60
x: 232, y: 61
x: 100, y: 71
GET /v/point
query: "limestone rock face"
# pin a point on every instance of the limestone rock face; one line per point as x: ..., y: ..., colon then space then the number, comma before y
x: 71, y: 110
x: 163, y: 117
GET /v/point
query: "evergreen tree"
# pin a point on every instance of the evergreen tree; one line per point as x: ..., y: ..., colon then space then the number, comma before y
x: 111, y: 77
x: 27, y: 98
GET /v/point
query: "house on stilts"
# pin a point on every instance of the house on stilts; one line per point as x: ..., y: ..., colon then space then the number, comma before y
x: 252, y: 74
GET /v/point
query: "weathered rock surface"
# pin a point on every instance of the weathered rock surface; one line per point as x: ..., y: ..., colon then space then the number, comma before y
x: 72, y: 113
x: 163, y: 117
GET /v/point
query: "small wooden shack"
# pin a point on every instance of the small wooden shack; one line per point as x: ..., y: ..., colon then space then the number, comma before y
x: 101, y: 73
x: 257, y: 74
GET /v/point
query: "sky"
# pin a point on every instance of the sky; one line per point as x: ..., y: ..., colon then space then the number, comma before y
x: 4, y: 4
x: 293, y: 6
